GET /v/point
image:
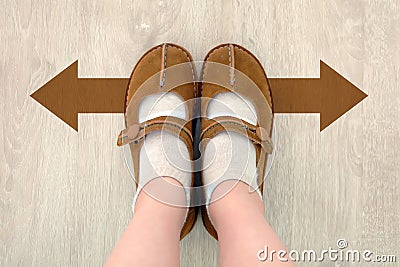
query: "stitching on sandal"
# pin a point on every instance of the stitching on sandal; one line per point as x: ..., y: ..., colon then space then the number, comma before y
x: 228, y: 122
x: 164, y: 66
x: 231, y: 56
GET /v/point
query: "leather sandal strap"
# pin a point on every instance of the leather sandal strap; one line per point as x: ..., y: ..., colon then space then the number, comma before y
x: 258, y: 135
x: 136, y: 133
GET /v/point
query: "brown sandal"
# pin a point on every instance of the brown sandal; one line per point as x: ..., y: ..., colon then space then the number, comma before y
x: 232, y: 68
x: 164, y: 68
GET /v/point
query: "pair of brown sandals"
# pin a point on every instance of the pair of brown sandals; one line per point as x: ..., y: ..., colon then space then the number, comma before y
x: 226, y: 68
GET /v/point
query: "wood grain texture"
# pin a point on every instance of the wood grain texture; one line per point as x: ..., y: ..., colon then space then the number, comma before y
x: 65, y: 197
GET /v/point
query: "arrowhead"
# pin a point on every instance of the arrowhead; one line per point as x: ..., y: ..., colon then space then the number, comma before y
x: 338, y: 95
x: 59, y: 95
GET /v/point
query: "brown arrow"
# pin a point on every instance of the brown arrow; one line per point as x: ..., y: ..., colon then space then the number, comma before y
x: 331, y: 95
x: 66, y: 95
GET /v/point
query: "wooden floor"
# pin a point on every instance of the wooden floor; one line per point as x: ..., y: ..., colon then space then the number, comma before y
x: 65, y: 197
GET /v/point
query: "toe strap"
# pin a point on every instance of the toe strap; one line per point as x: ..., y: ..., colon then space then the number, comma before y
x: 256, y: 134
x: 136, y: 133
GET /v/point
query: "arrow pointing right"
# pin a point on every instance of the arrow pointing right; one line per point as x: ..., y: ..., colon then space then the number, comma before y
x: 331, y: 95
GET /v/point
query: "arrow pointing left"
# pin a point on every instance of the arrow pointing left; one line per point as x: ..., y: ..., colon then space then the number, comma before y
x: 66, y: 95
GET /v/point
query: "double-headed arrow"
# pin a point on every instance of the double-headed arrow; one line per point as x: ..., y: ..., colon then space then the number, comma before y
x: 66, y: 95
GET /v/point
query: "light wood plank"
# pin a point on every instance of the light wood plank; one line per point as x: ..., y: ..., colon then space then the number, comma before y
x: 65, y: 197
